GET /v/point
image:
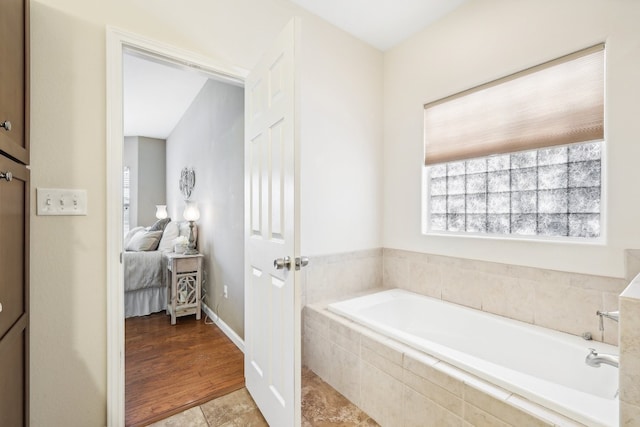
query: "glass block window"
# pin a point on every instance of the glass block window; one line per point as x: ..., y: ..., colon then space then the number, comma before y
x: 552, y: 191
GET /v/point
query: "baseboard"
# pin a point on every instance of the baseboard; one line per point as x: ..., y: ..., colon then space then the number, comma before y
x: 239, y: 342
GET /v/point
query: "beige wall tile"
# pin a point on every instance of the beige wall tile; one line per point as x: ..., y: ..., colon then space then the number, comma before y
x: 385, y: 365
x: 629, y: 415
x: 509, y: 297
x: 420, y: 412
x: 425, y: 278
x: 434, y: 392
x: 479, y: 418
x: 395, y: 273
x: 317, y: 353
x: 499, y: 408
x: 541, y: 412
x: 610, y: 303
x: 461, y: 287
x: 434, y: 373
x: 345, y: 373
x: 344, y: 336
x: 632, y: 263
x: 567, y: 308
x: 381, y: 395
x: 384, y: 347
x: 630, y: 351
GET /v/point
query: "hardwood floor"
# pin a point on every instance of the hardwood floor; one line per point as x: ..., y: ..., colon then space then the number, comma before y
x: 172, y: 368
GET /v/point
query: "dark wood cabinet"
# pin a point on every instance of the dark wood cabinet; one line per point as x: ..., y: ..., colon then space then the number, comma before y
x: 14, y: 81
x: 14, y: 213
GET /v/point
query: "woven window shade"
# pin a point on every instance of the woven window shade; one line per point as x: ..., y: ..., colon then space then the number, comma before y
x: 555, y: 103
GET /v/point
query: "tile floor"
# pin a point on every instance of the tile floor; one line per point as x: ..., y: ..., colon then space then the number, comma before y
x: 322, y: 406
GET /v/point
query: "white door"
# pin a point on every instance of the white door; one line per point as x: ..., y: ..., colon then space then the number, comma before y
x: 272, y: 297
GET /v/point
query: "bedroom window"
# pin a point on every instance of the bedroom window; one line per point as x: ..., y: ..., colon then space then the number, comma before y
x: 521, y: 155
x: 126, y: 200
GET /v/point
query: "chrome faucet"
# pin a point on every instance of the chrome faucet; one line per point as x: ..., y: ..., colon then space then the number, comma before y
x: 594, y: 359
x: 613, y: 315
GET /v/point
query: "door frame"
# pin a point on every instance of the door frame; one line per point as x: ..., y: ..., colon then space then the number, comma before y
x: 118, y: 41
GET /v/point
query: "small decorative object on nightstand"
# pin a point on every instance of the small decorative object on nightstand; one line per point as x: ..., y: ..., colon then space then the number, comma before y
x: 184, y: 283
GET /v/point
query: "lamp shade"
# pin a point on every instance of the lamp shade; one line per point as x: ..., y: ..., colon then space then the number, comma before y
x: 161, y: 211
x: 191, y: 211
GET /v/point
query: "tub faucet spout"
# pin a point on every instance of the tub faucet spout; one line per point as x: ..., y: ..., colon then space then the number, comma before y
x: 594, y: 359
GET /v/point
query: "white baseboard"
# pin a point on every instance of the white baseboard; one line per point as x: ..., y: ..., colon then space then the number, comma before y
x: 239, y: 342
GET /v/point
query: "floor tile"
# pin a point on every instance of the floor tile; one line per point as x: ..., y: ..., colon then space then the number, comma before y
x: 232, y: 408
x: 191, y: 417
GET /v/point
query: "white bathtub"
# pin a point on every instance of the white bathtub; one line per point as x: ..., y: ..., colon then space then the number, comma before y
x: 542, y: 365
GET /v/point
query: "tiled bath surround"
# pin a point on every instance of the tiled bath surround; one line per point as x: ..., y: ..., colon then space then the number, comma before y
x: 630, y: 355
x: 397, y: 385
x: 556, y: 300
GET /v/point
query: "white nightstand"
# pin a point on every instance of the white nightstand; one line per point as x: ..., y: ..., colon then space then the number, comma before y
x: 184, y: 283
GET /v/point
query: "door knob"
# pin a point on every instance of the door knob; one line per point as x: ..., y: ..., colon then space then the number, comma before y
x: 301, y: 261
x: 0, y: 307
x: 281, y: 263
x: 6, y: 125
x: 6, y: 175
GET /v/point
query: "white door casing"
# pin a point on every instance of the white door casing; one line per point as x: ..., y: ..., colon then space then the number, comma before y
x: 272, y: 297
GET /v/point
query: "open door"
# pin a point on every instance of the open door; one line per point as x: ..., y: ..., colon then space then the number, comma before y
x: 272, y: 296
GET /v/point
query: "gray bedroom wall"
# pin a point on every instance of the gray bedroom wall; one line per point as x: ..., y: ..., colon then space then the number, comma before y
x: 146, y: 159
x: 210, y: 139
x: 151, y: 178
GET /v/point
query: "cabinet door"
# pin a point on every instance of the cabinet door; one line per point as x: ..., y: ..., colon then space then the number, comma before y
x: 14, y: 80
x: 14, y: 208
x: 13, y: 377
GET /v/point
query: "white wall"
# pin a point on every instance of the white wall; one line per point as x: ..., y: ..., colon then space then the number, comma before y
x: 482, y: 41
x: 210, y: 139
x: 341, y: 133
x: 68, y: 142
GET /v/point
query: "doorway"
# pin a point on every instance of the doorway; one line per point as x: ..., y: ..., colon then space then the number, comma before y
x: 119, y: 43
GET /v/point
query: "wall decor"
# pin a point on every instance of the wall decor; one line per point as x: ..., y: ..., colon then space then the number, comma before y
x: 187, y: 182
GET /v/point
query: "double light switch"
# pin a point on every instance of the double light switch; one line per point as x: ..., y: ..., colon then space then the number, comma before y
x: 59, y: 201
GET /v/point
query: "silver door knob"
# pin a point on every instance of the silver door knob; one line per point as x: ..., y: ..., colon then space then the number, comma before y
x: 301, y: 261
x: 6, y: 175
x: 281, y: 263
x: 0, y: 307
x: 6, y: 125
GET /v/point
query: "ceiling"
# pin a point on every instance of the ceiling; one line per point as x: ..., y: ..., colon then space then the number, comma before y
x: 157, y: 94
x: 380, y: 23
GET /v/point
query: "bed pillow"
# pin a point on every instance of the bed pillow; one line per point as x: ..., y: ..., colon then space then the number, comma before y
x: 160, y: 224
x: 171, y: 231
x: 144, y: 241
x: 130, y: 234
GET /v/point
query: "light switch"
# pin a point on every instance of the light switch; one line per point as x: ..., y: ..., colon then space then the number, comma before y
x: 60, y: 201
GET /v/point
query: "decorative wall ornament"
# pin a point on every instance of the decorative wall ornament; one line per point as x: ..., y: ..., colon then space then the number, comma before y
x: 187, y: 182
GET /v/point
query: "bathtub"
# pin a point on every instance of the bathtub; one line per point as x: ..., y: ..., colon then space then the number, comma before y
x: 542, y: 365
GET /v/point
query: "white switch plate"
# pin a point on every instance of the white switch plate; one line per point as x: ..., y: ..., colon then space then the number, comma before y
x: 61, y: 201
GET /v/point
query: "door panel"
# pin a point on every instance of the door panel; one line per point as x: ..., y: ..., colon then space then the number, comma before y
x: 13, y: 205
x: 13, y: 379
x: 272, y: 303
x: 14, y: 78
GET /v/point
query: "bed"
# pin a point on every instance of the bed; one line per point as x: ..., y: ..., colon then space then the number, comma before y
x: 145, y: 266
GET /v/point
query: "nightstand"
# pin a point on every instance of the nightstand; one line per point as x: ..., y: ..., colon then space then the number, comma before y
x: 184, y: 283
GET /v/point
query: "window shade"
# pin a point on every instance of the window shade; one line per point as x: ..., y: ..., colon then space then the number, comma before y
x: 555, y: 103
